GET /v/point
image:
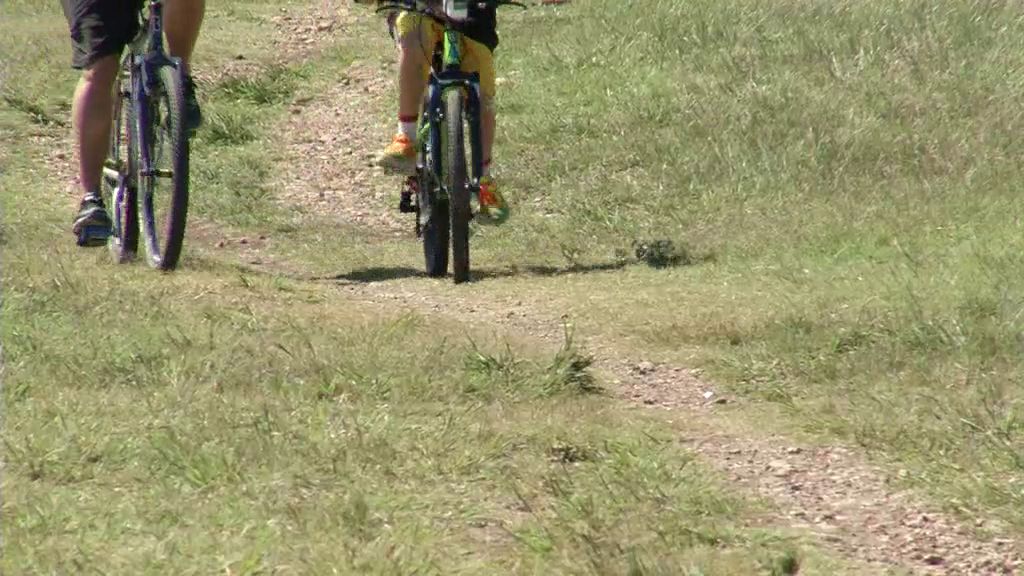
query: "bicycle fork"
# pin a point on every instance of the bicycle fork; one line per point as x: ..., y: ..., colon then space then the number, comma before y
x: 429, y: 136
x: 470, y: 86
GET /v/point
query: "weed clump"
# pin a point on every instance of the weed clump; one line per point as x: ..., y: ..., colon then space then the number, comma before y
x: 662, y: 253
x: 570, y: 370
x: 572, y: 453
x: 785, y: 564
x: 502, y: 374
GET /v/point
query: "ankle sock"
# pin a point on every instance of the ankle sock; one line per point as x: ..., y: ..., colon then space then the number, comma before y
x: 407, y: 126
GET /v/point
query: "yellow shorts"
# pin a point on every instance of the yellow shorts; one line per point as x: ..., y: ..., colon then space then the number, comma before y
x: 475, y: 56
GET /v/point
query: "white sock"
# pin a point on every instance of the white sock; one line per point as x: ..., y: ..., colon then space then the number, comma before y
x: 407, y: 128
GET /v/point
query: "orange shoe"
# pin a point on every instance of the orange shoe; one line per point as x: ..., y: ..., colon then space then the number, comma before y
x: 399, y: 157
x: 493, y: 208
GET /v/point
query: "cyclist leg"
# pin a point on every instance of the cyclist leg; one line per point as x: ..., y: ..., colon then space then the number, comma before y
x: 479, y: 58
x: 100, y: 29
x: 416, y: 38
x: 184, y: 20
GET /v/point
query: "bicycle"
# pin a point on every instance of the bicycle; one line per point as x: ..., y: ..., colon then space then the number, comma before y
x: 441, y: 191
x: 149, y: 129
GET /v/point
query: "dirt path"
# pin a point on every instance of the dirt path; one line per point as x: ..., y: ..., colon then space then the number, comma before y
x: 333, y: 175
x: 832, y: 492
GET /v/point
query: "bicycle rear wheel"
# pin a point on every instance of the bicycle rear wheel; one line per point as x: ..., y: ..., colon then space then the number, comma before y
x: 454, y: 177
x: 164, y: 182
x: 432, y: 206
x: 119, y: 172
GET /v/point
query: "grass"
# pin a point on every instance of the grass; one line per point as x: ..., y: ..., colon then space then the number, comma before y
x: 850, y: 170
x: 295, y: 435
x: 217, y: 420
x: 233, y: 172
x: 837, y: 182
x: 220, y: 421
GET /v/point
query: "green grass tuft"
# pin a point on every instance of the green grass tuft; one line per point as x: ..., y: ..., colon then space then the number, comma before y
x: 569, y: 370
x: 273, y: 86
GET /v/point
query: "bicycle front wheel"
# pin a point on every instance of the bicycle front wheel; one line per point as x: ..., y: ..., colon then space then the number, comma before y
x: 164, y: 177
x: 454, y: 177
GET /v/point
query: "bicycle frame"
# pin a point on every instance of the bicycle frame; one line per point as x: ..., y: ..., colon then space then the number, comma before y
x: 146, y: 56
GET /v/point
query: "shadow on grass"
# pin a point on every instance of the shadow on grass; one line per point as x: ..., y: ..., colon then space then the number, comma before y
x: 390, y: 273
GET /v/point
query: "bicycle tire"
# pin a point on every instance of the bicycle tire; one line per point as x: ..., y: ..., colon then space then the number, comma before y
x: 454, y: 177
x: 432, y: 207
x: 170, y: 89
x: 435, y: 231
x: 120, y: 194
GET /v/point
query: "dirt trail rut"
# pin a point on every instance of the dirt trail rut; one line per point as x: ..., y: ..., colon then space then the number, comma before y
x: 831, y: 492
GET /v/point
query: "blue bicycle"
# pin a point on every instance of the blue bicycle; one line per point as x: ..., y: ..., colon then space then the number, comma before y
x: 147, y: 167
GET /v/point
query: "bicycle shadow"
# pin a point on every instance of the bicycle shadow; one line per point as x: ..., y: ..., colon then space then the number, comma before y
x: 379, y: 274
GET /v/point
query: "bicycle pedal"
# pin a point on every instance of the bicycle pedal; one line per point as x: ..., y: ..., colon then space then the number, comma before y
x: 406, y: 204
x: 91, y: 236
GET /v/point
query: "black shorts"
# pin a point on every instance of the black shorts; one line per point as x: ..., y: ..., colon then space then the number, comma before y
x: 483, y: 27
x: 100, y: 28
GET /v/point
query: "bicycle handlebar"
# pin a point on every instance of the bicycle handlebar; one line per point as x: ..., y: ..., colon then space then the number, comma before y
x: 430, y: 8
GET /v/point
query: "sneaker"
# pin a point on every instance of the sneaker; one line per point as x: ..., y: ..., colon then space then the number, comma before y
x: 92, y: 226
x: 193, y: 115
x: 493, y: 207
x: 399, y: 157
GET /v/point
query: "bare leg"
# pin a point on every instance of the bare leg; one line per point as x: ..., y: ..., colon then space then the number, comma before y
x: 91, y: 114
x: 183, y: 21
x: 414, y: 49
x: 488, y: 121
